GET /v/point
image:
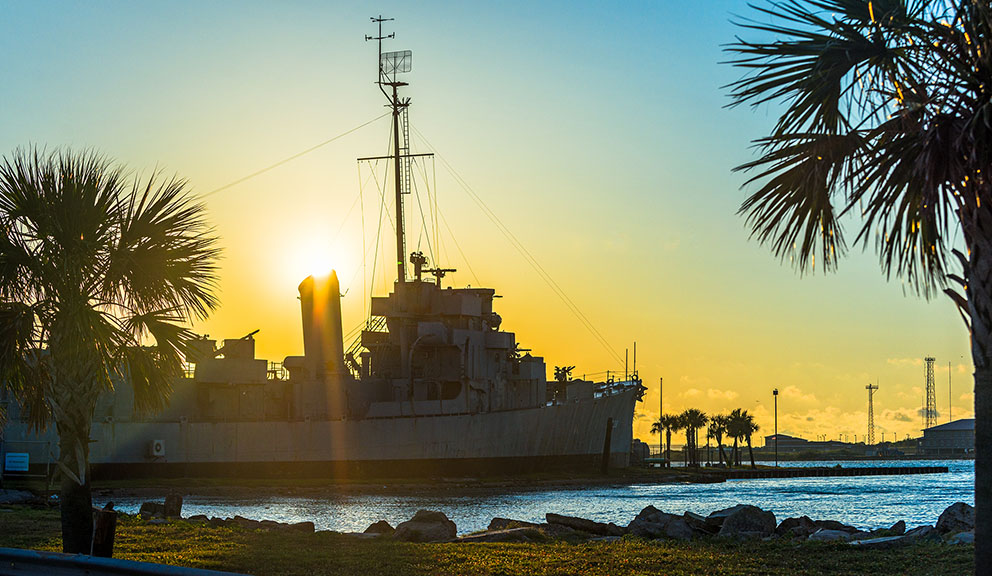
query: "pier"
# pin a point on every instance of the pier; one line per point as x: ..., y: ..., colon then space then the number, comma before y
x: 824, y: 472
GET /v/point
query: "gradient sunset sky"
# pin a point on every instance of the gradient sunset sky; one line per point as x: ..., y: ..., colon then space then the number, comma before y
x: 596, y: 132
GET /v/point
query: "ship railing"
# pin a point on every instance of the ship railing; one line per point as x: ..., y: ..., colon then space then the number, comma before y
x: 616, y: 387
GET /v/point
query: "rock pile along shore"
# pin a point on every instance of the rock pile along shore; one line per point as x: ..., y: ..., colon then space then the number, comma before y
x: 956, y: 525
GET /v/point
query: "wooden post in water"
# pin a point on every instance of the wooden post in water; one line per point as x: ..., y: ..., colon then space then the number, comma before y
x: 606, y: 446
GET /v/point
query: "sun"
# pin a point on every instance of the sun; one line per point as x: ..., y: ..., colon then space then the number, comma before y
x: 317, y: 258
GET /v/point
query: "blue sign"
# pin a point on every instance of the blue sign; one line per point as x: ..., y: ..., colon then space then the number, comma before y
x: 16, y: 462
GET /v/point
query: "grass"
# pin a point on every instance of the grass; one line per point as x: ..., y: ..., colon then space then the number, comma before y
x: 283, y: 553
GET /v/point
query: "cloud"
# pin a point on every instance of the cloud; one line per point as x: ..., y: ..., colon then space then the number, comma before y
x: 714, y: 394
x: 900, y: 417
x: 922, y: 412
x: 794, y: 393
x: 904, y: 361
x: 692, y: 393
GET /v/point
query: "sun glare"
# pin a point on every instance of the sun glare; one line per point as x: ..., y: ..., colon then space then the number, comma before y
x: 315, y: 258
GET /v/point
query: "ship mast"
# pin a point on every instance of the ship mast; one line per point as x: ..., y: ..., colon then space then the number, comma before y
x: 390, y: 64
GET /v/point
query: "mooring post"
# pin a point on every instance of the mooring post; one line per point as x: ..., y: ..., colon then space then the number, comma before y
x: 606, y: 446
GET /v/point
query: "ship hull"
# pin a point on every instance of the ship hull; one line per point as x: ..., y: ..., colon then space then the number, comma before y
x: 569, y: 435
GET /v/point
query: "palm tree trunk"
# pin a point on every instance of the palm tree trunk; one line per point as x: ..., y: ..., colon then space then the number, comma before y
x: 688, y: 446
x: 668, y: 447
x: 723, y: 455
x: 979, y: 295
x: 750, y: 452
x: 75, y: 498
x: 733, y: 454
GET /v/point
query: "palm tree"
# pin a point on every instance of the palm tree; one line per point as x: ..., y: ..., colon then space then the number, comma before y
x: 737, y: 428
x: 98, y: 275
x: 718, y: 427
x: 671, y: 423
x: 885, y: 116
x: 748, y: 427
x: 693, y: 419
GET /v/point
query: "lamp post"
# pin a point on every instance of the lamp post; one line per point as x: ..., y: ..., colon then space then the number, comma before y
x: 775, y: 395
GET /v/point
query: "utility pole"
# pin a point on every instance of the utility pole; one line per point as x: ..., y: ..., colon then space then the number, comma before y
x: 775, y: 396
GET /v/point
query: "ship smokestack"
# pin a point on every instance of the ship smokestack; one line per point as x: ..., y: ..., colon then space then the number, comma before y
x: 323, y: 343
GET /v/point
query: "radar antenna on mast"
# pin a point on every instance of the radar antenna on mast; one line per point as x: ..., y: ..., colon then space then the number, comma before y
x: 390, y: 65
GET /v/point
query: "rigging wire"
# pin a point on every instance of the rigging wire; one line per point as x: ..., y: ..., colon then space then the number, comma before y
x: 555, y: 287
x: 458, y: 246
x: 291, y: 158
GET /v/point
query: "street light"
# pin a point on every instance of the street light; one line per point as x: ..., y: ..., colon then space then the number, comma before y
x: 775, y: 395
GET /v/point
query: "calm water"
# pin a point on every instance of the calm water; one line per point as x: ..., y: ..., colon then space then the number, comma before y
x: 866, y: 502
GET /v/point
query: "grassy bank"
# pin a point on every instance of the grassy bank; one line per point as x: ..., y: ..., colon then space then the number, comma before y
x: 259, y: 552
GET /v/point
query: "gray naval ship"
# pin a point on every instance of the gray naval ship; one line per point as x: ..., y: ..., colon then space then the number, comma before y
x: 432, y: 386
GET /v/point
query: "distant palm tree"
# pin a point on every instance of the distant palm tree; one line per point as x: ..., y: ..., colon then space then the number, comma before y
x: 718, y: 428
x: 693, y: 419
x: 736, y: 429
x: 663, y: 424
x: 885, y: 116
x: 98, y: 276
x: 669, y: 423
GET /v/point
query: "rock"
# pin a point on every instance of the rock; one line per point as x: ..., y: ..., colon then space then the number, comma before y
x: 923, y: 533
x: 653, y: 523
x: 560, y: 532
x: 748, y: 522
x: 825, y: 535
x: 606, y: 538
x: 151, y: 510
x: 15, y: 496
x: 800, y: 527
x: 882, y: 543
x: 217, y: 522
x: 173, y: 507
x: 897, y: 529
x: 958, y: 517
x: 962, y: 538
x: 305, y: 527
x: 380, y: 527
x: 834, y: 525
x: 426, y: 526
x: 522, y: 534
x: 198, y: 518
x: 716, y: 518
x: 583, y: 525
x: 246, y: 523
x: 506, y: 524
x: 699, y: 525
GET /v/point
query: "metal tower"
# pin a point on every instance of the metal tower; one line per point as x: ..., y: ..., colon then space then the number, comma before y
x: 871, y: 413
x: 930, y: 410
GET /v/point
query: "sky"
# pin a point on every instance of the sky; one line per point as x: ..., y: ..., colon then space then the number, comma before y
x: 598, y: 134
